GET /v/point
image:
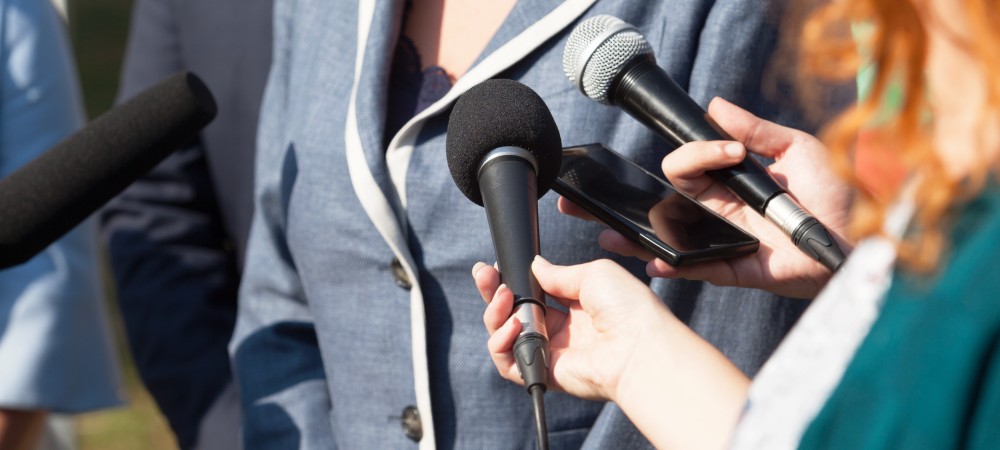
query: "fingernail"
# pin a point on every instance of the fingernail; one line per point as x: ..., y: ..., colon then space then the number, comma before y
x: 733, y: 149
x: 511, y: 322
x: 496, y: 293
x: 477, y: 266
x: 540, y: 260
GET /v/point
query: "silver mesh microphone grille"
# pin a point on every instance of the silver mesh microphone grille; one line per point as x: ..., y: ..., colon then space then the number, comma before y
x: 596, y: 51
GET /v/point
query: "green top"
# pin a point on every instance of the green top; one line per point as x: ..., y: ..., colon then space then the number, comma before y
x: 928, y: 373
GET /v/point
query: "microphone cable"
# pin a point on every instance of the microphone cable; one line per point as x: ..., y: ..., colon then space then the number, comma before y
x: 541, y: 428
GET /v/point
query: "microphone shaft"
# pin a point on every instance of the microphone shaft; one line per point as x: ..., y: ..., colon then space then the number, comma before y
x: 667, y: 109
x: 509, y: 185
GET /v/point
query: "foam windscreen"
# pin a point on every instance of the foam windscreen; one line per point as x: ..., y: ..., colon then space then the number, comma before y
x: 53, y: 193
x: 501, y: 113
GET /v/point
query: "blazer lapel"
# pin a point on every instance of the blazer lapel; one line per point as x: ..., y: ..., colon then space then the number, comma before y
x: 372, y: 85
x: 378, y: 28
x: 374, y: 173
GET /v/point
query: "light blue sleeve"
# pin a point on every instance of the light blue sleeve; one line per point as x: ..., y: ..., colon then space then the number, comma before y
x: 55, y: 348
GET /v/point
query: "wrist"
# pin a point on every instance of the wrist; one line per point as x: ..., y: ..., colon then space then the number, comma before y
x: 679, y: 390
x: 652, y: 348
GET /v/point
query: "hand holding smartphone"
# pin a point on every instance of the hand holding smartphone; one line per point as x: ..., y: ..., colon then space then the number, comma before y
x: 647, y: 209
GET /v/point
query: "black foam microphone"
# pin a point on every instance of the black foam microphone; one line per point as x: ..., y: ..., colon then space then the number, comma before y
x: 611, y: 62
x: 56, y: 191
x: 504, y: 152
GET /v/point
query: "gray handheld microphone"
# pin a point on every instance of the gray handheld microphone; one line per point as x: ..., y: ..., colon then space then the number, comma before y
x: 504, y: 152
x: 611, y: 62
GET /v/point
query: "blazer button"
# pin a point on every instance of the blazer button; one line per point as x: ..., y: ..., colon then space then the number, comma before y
x: 399, y: 275
x: 411, y: 423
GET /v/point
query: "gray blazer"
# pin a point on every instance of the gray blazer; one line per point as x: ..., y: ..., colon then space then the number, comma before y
x: 359, y: 325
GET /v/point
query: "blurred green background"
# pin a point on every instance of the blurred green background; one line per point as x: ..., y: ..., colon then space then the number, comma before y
x: 98, y: 29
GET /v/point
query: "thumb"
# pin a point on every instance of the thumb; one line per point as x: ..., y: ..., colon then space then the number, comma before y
x: 594, y: 283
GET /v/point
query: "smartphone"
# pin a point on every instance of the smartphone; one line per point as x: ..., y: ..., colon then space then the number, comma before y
x: 647, y: 209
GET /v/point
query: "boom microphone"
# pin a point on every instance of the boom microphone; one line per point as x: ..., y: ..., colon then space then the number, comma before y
x: 504, y: 152
x: 610, y: 62
x: 56, y: 191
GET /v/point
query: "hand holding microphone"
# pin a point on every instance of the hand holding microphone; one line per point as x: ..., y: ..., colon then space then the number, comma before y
x: 800, y: 160
x: 607, y: 311
x: 618, y: 342
x: 612, y: 63
x: 504, y: 152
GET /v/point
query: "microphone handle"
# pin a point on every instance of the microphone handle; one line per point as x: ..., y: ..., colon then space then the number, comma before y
x: 508, y: 182
x: 647, y: 93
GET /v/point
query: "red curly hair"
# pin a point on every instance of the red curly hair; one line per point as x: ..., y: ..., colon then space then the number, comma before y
x: 899, y: 49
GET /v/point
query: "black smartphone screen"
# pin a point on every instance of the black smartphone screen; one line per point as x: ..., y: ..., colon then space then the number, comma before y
x: 646, y: 208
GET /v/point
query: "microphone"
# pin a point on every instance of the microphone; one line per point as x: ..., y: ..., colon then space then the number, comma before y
x: 504, y: 152
x: 611, y: 62
x: 56, y: 191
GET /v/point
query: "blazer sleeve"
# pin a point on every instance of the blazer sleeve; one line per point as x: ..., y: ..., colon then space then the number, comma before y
x: 173, y: 263
x: 276, y: 355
